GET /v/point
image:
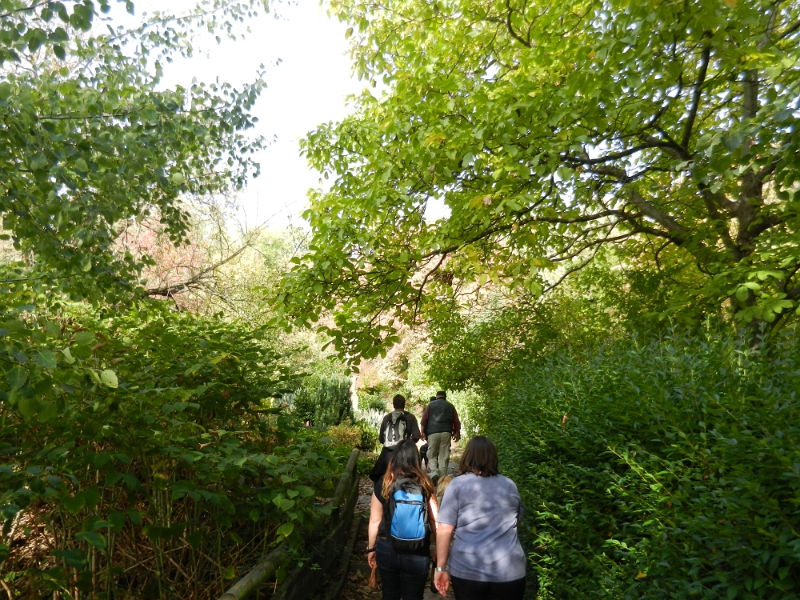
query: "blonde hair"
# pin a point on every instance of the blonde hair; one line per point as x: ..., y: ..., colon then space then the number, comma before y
x: 441, y: 487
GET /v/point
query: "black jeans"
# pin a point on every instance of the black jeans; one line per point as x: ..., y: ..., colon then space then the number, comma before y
x: 402, y: 575
x: 467, y: 589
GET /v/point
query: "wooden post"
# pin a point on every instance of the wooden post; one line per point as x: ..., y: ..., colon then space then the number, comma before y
x: 267, y: 567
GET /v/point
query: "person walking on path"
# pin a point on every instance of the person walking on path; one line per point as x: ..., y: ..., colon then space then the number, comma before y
x: 440, y: 424
x: 396, y: 426
x: 484, y: 509
x: 404, y: 492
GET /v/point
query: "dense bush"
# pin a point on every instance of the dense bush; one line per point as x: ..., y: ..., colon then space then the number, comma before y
x: 354, y: 434
x: 372, y: 401
x: 324, y: 400
x: 668, y: 469
x: 346, y: 435
x: 141, y: 452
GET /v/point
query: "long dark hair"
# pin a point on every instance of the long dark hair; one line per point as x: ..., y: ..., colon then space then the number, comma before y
x: 480, y: 457
x: 405, y: 462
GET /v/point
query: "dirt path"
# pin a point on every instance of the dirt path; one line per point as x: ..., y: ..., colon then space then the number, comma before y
x: 356, y: 587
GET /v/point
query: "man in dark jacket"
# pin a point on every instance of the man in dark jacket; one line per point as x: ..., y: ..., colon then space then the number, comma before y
x: 397, y: 425
x: 440, y: 424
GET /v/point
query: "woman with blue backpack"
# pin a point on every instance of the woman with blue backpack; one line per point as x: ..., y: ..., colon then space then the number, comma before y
x: 401, y: 518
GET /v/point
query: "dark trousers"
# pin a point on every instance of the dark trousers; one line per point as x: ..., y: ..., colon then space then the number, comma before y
x: 467, y: 589
x: 402, y: 575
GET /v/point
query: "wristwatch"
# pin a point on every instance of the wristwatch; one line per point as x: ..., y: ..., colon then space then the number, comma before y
x: 442, y: 569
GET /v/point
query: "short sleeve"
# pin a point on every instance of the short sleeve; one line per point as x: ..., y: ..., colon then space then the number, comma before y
x: 378, y: 489
x: 448, y: 511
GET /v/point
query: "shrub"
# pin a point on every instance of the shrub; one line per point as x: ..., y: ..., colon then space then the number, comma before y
x: 373, y: 401
x: 668, y: 469
x: 345, y: 434
x: 358, y: 434
x: 369, y: 435
x: 136, y: 436
x: 325, y: 401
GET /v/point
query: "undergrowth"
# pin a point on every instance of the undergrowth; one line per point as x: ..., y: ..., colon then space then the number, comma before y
x: 143, y: 454
x: 659, y: 469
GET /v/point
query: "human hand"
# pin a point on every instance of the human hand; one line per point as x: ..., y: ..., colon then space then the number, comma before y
x: 441, y: 579
x: 372, y: 561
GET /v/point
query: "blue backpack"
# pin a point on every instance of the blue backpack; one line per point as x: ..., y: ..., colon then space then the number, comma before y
x: 406, y: 518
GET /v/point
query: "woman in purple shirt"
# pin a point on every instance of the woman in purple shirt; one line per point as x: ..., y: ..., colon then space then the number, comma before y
x: 483, y: 509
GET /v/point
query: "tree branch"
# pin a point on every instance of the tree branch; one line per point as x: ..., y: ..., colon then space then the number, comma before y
x: 701, y: 77
x: 26, y: 9
x: 196, y: 280
x: 510, y: 27
x: 677, y: 231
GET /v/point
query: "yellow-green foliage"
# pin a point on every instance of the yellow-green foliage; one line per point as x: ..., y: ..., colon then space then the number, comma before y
x: 354, y: 435
x: 346, y: 434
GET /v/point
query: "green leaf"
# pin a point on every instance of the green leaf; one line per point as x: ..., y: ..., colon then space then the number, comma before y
x: 53, y: 329
x: 83, y: 338
x: 94, y: 538
x: 73, y: 557
x: 47, y: 411
x: 195, y: 539
x: 286, y: 529
x: 305, y: 491
x: 46, y: 359
x: 16, y: 376
x: 74, y: 504
x: 109, y: 378
x: 117, y: 519
x: 29, y: 407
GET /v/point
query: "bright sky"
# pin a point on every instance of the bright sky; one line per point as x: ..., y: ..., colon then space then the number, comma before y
x: 306, y: 89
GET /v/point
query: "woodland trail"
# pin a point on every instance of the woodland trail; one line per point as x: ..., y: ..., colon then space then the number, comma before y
x: 356, y: 587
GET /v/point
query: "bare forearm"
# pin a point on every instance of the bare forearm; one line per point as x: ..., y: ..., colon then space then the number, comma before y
x: 444, y: 535
x: 372, y: 534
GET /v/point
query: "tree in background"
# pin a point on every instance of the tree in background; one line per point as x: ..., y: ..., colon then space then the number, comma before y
x: 142, y: 447
x: 91, y: 137
x: 666, y: 132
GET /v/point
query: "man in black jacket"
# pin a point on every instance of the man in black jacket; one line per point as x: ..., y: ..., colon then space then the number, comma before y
x: 397, y: 425
x: 440, y: 424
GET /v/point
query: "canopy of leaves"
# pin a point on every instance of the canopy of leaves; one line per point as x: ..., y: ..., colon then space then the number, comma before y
x: 91, y: 137
x: 549, y: 131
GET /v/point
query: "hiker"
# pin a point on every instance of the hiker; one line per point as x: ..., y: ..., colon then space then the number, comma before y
x: 402, y: 515
x: 439, y: 424
x: 484, y: 508
x: 398, y: 425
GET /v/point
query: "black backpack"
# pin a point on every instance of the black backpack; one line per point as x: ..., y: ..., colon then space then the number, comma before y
x: 396, y: 428
x: 406, y: 516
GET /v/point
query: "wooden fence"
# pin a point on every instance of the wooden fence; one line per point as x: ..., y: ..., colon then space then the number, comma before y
x: 327, y: 541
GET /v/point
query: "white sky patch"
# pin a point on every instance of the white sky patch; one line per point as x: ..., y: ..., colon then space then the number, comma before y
x: 307, y: 88
x: 436, y: 210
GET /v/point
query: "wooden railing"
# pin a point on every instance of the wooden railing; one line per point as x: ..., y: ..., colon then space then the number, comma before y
x: 324, y: 552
